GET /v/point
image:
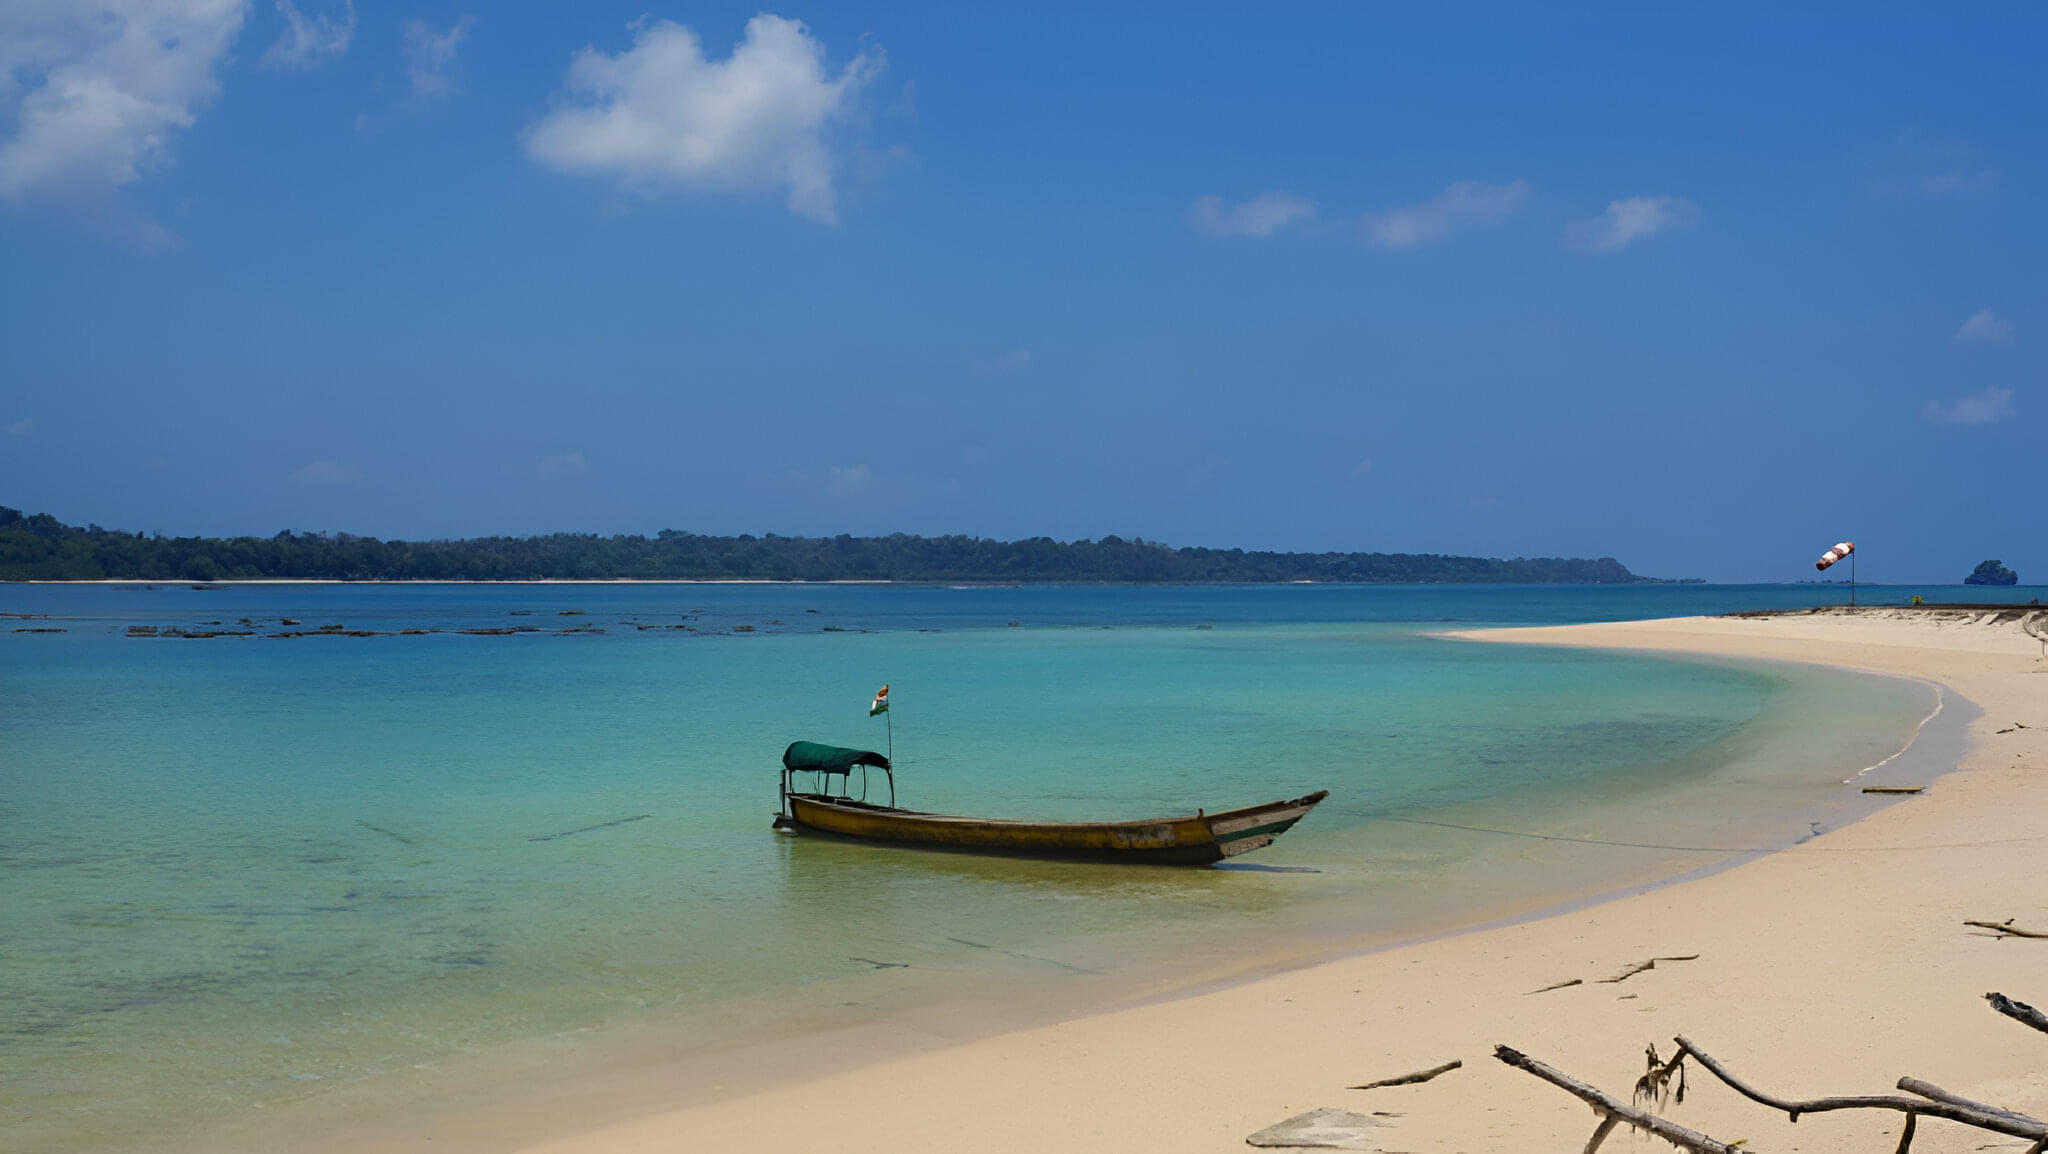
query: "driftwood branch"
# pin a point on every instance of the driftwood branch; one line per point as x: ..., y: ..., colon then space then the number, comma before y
x: 1559, y: 985
x: 1664, y: 1082
x: 2007, y: 929
x: 1996, y: 1121
x: 1612, y: 1109
x: 2018, y: 1011
x: 1411, y: 1079
x: 1930, y: 1090
x: 1906, y: 1135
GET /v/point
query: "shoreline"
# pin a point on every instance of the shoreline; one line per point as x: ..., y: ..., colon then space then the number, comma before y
x: 1011, y: 583
x: 886, y: 1057
x: 1152, y: 1076
x: 244, y: 582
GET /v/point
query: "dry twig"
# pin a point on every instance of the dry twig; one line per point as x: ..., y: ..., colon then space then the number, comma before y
x: 1634, y: 968
x: 2007, y: 929
x: 1655, y: 1087
x: 1411, y: 1079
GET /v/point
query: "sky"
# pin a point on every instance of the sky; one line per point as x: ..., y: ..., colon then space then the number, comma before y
x: 1703, y: 288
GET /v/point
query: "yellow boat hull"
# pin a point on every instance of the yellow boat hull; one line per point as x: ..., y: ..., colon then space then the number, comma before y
x: 1196, y: 840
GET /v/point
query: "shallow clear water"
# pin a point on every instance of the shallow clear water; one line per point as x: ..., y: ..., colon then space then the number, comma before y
x: 236, y: 868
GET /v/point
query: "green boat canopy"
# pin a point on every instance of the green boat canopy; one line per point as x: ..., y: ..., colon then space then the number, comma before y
x: 812, y: 757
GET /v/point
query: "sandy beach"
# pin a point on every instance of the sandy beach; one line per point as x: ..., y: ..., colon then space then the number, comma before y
x: 1835, y: 967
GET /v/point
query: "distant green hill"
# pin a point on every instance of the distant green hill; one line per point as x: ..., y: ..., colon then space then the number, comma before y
x: 1992, y: 573
x: 41, y: 547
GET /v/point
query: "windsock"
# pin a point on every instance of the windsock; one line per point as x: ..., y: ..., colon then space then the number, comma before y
x: 1841, y: 550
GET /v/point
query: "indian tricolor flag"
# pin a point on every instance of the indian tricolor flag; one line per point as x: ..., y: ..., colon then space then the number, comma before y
x: 881, y: 704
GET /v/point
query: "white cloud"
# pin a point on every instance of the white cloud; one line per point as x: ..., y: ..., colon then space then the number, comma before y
x: 328, y: 473
x: 1992, y: 404
x: 660, y: 115
x: 21, y: 428
x: 309, y: 39
x: 1014, y: 361
x: 429, y: 53
x: 1985, y: 327
x: 1628, y: 221
x: 92, y: 95
x: 1362, y: 468
x: 1262, y: 215
x: 845, y: 482
x: 1959, y: 182
x: 1465, y: 204
x: 562, y: 464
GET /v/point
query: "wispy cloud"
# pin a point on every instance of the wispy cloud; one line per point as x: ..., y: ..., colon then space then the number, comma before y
x: 1917, y: 164
x: 1362, y: 468
x: 1985, y: 328
x: 660, y: 115
x: 328, y: 473
x: 1014, y: 361
x: 1959, y: 182
x: 21, y: 428
x: 1628, y: 221
x: 1464, y: 205
x: 307, y: 40
x: 1993, y: 404
x: 429, y: 54
x: 92, y: 96
x: 562, y: 465
x: 1262, y: 215
x: 848, y: 480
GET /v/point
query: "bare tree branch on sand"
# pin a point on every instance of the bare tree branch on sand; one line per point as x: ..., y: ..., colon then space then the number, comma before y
x: 1664, y: 1082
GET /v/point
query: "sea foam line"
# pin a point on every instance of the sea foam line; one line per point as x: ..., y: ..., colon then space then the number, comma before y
x: 1940, y: 703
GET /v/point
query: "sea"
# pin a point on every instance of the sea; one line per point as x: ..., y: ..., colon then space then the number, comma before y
x: 422, y: 825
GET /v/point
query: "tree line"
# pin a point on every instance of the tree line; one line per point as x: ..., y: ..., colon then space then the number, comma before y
x: 40, y: 547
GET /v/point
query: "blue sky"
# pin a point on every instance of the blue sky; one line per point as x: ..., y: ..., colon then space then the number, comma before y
x: 1704, y: 288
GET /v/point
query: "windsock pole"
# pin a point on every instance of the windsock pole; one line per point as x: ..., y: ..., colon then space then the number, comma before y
x: 1841, y: 550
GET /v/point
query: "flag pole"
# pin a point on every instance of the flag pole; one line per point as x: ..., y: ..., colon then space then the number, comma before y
x: 889, y: 720
x: 1852, y: 580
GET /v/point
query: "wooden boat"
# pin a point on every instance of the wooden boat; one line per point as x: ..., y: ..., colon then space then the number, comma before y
x: 1198, y: 839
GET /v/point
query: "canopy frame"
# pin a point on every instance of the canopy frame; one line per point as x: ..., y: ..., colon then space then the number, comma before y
x: 829, y: 761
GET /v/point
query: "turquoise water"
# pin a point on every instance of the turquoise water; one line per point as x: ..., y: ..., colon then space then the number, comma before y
x: 236, y: 870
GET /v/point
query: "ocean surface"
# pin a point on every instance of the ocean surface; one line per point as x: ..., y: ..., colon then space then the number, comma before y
x: 240, y: 871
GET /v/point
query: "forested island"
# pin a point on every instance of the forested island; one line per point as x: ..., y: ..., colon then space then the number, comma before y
x: 40, y: 547
x: 1991, y: 573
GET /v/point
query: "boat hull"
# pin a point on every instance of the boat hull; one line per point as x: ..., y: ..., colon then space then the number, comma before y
x: 1194, y: 840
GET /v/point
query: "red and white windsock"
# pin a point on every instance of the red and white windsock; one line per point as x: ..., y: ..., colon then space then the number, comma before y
x: 1841, y: 550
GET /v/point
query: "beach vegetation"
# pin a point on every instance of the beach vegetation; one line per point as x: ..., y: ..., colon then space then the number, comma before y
x: 40, y: 547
